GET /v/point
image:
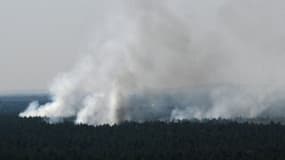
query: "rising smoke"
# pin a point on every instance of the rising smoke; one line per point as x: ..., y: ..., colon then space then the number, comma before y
x: 182, y: 59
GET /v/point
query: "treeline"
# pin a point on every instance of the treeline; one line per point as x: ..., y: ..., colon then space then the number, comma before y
x: 34, y: 139
x: 13, y: 105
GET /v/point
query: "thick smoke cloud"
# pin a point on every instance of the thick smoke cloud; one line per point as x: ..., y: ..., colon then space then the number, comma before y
x: 167, y: 60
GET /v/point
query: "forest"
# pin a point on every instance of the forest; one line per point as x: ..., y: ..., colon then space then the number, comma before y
x: 215, y: 139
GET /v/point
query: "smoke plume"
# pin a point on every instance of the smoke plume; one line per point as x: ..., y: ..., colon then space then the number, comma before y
x: 182, y: 59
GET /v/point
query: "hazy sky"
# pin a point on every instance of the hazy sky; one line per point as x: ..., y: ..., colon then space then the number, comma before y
x: 39, y: 39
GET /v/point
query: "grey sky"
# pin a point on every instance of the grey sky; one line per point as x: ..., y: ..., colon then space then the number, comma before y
x: 39, y: 39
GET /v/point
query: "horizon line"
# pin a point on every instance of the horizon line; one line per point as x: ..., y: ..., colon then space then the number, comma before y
x: 23, y: 92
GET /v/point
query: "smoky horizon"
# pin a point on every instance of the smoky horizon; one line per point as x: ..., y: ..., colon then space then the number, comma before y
x: 113, y: 61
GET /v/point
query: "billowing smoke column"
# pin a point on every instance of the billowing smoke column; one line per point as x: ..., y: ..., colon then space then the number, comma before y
x: 182, y: 59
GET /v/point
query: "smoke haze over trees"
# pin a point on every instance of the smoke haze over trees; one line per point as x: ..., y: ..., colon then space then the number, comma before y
x: 33, y: 138
x: 166, y: 60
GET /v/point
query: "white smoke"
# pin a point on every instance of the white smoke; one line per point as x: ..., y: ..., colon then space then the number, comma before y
x: 182, y: 59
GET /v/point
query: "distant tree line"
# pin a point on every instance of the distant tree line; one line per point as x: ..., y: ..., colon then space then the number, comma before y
x: 34, y: 139
x: 13, y: 105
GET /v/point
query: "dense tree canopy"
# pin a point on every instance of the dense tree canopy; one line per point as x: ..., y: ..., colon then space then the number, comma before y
x: 34, y: 139
x: 213, y: 139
